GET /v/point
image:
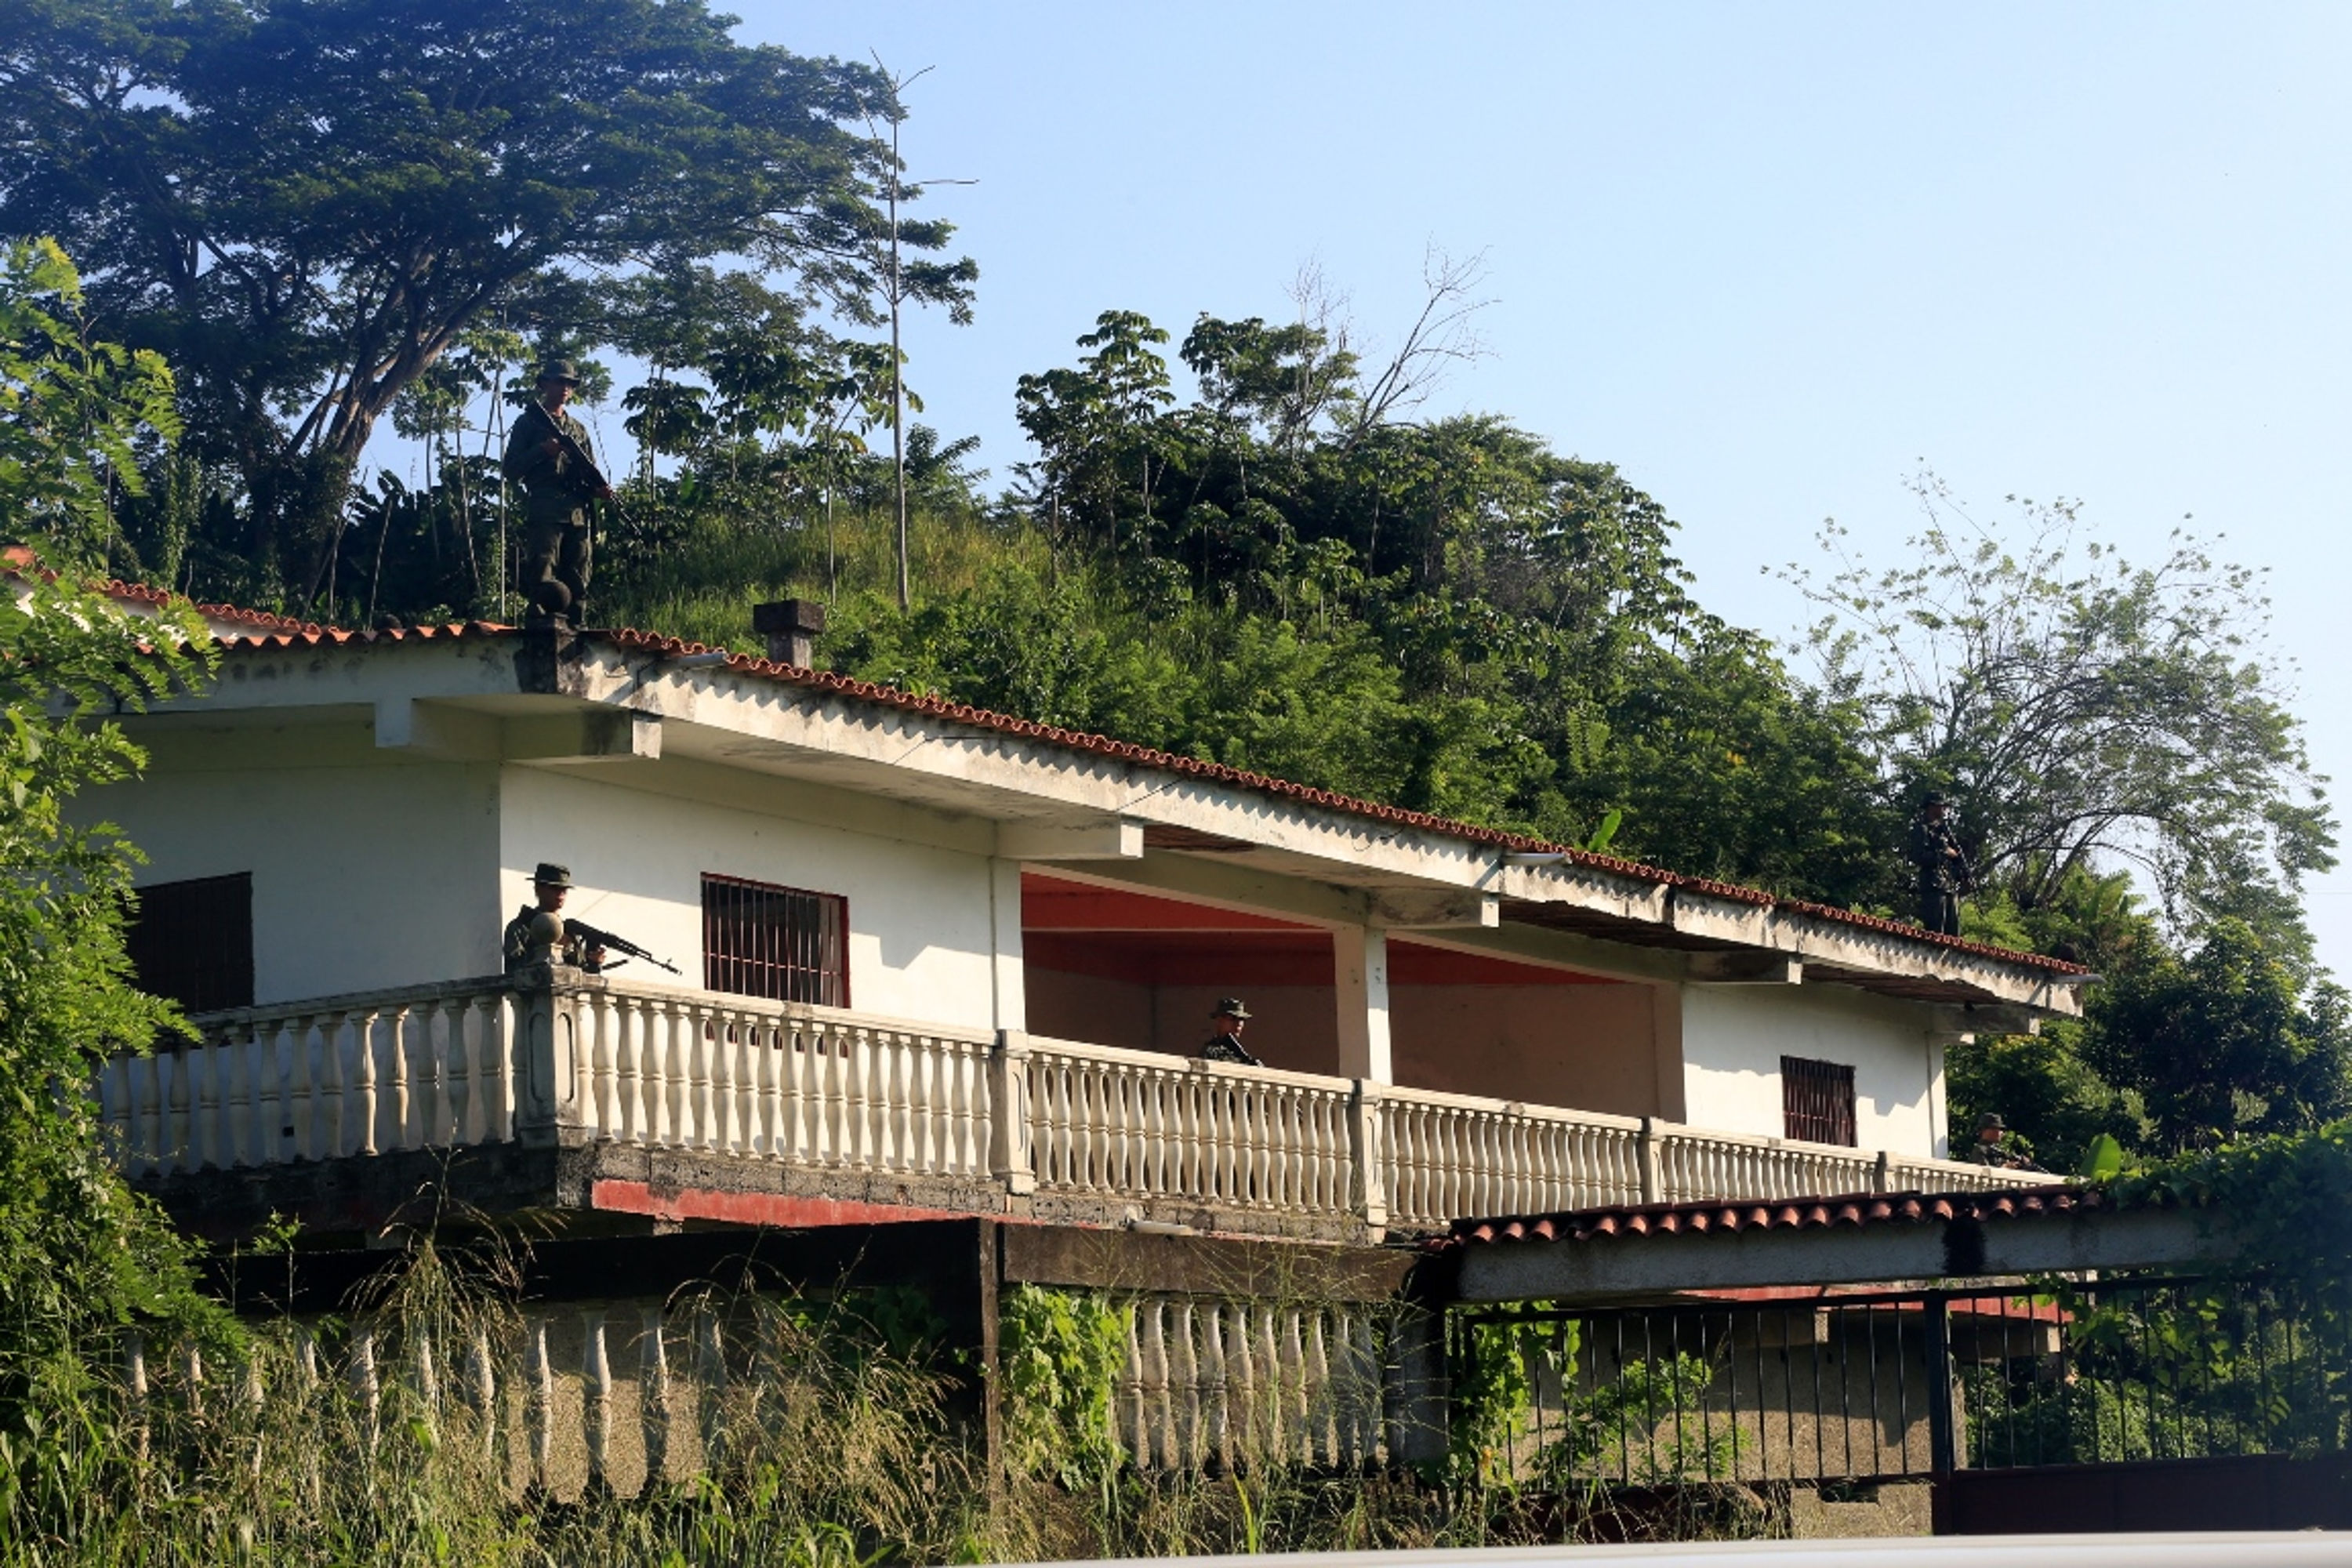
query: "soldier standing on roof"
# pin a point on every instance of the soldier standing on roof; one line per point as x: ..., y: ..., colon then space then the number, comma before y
x: 1943, y: 870
x: 558, y: 484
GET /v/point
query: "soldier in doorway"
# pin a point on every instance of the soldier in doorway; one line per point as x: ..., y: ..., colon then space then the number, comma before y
x: 1943, y: 866
x: 550, y: 886
x: 548, y: 453
x: 1225, y: 1043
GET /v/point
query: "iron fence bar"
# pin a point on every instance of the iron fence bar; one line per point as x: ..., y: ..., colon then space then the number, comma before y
x: 1942, y: 1446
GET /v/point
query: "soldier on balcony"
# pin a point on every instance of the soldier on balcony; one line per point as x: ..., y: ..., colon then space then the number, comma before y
x: 536, y: 934
x: 1225, y: 1043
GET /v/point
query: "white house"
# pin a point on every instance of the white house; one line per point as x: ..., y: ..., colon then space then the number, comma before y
x: 937, y: 960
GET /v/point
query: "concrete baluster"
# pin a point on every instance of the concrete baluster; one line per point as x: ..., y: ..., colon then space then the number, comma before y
x: 538, y: 1405
x: 801, y: 1105
x: 499, y: 1073
x: 596, y: 1393
x: 203, y: 1090
x: 482, y: 1368
x: 135, y: 1383
x: 628, y: 1075
x: 1184, y: 1376
x: 725, y: 1031
x: 711, y: 1379
x: 702, y: 1120
x: 365, y: 1386
x: 766, y: 1090
x: 856, y: 1097
x: 1322, y: 1437
x: 603, y: 1103
x: 428, y: 1385
x: 1134, y: 1424
x: 677, y: 1130
x: 755, y: 1085
x: 1163, y: 1451
x: 465, y: 1070
x: 1242, y: 1381
x: 393, y: 1105
x: 171, y: 1096
x: 446, y: 1053
x: 1216, y: 1418
x: 653, y: 1395
x: 364, y: 1098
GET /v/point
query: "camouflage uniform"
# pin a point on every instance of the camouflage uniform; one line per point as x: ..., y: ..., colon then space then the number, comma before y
x: 516, y: 944
x: 1943, y: 874
x: 1224, y: 1047
x: 556, y: 543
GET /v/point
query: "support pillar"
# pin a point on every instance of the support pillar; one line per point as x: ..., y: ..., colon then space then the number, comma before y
x: 1008, y: 988
x: 1360, y: 972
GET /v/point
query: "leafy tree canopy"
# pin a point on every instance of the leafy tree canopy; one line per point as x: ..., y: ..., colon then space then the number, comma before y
x: 80, y: 1253
x: 2083, y: 711
x: 304, y: 204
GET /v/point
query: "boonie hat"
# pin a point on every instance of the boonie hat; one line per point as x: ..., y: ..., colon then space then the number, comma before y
x: 550, y: 875
x: 562, y: 370
x: 1229, y: 1007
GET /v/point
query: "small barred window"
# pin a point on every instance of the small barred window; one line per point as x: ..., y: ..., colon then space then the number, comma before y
x: 784, y: 944
x: 1817, y: 1099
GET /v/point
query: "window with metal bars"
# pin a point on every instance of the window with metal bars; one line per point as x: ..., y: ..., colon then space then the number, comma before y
x: 784, y: 944
x: 1817, y: 1099
x: 193, y: 942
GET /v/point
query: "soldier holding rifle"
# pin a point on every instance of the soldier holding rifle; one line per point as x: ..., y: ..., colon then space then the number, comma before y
x: 548, y: 453
x: 1943, y: 870
x: 539, y: 933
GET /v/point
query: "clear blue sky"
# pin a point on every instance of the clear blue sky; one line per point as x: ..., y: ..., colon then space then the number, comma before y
x: 1765, y: 259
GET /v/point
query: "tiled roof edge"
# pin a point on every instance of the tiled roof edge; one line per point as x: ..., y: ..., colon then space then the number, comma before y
x: 1718, y: 1218
x: 284, y: 631
x: 1128, y: 751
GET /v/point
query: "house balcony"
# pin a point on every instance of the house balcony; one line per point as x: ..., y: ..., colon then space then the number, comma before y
x: 562, y: 1092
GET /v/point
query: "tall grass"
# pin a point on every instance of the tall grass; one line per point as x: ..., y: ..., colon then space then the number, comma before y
x: 702, y: 586
x: 818, y: 1439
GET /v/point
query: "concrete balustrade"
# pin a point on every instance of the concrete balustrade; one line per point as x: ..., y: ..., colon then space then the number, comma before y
x: 584, y: 1059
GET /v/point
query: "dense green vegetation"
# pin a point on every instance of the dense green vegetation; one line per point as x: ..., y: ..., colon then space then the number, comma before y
x: 1243, y: 543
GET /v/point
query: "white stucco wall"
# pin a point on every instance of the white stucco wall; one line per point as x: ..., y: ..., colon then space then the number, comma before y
x: 1733, y: 1038
x: 364, y: 876
x: 921, y: 938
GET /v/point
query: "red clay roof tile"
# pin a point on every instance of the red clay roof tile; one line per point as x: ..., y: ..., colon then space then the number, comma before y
x: 1718, y: 1218
x: 281, y: 631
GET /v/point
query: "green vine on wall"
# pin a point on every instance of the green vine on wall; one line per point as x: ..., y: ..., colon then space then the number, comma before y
x: 1061, y: 1351
x: 2287, y: 1199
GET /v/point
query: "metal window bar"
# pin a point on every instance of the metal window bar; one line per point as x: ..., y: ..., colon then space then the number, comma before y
x: 787, y: 944
x: 1817, y: 1101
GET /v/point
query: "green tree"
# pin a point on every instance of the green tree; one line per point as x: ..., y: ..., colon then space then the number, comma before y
x: 75, y: 411
x: 2225, y: 1040
x: 305, y: 204
x: 2084, y: 710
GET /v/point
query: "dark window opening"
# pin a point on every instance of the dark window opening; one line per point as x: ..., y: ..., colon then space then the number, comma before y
x: 193, y: 942
x: 784, y: 943
x: 1818, y: 1100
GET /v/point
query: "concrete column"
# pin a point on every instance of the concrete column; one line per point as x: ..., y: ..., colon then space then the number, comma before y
x: 1360, y: 973
x: 1007, y: 984
x: 1940, y: 1128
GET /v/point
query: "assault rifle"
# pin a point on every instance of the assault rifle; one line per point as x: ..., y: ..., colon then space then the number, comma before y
x: 585, y: 479
x: 592, y: 937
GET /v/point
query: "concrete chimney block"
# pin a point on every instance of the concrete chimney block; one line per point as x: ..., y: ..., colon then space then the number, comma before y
x: 791, y: 627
